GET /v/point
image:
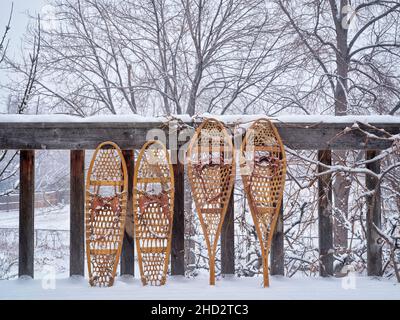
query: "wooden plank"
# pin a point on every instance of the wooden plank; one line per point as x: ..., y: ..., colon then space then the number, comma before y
x: 325, y: 219
x: 228, y: 239
x: 77, y: 213
x: 178, y: 229
x: 128, y: 245
x: 277, y: 247
x: 374, y: 249
x: 68, y: 135
x: 26, y: 213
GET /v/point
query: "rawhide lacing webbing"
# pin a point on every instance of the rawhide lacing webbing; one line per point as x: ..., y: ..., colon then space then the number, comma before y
x: 211, y: 172
x: 153, y: 203
x: 106, y: 197
x: 263, y: 169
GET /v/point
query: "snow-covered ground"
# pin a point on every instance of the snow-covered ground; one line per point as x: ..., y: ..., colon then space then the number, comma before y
x: 51, y: 247
x: 45, y: 218
x: 198, y: 288
x: 52, y: 282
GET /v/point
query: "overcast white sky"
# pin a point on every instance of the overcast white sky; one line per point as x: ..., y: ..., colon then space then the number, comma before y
x: 20, y: 17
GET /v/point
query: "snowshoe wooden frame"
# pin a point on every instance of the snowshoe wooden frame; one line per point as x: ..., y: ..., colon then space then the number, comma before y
x: 105, y: 216
x: 211, y: 178
x: 153, y: 213
x: 263, y: 170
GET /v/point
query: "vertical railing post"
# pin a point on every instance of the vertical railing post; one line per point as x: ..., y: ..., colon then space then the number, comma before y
x: 374, y: 249
x: 26, y: 213
x: 228, y: 239
x: 325, y: 219
x: 77, y: 213
x: 128, y: 245
x: 178, y: 229
x: 277, y: 247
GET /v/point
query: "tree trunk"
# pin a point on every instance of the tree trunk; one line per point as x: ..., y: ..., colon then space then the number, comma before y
x: 191, y: 109
x: 341, y: 191
x: 341, y: 185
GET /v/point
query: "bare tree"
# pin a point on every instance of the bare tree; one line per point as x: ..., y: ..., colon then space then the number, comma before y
x: 350, y: 46
x: 18, y: 102
x: 185, y: 56
x: 4, y: 40
x: 7, y: 164
x: 156, y: 57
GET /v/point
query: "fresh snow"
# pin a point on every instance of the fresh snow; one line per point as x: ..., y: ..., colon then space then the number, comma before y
x: 52, y: 282
x: 307, y: 118
x: 44, y: 286
x: 45, y: 218
x: 54, y: 118
x: 228, y: 119
x: 178, y: 287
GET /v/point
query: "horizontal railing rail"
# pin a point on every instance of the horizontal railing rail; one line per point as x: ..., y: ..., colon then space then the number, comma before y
x: 305, y: 135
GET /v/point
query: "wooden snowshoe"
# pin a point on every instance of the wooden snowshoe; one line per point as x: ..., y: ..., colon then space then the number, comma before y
x: 105, y: 212
x: 153, y: 206
x: 263, y: 170
x: 211, y: 171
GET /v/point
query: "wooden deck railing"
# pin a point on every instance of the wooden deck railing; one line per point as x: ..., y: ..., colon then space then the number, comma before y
x: 78, y: 136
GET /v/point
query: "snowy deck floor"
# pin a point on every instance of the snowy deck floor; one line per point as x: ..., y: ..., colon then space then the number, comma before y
x: 198, y: 288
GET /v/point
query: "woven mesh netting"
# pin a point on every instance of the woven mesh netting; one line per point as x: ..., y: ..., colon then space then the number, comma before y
x: 106, y: 198
x: 211, y: 171
x: 263, y: 170
x: 153, y: 203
